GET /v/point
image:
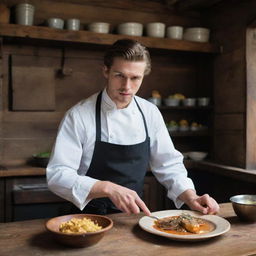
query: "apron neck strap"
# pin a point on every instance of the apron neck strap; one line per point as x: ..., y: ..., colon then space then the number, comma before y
x: 144, y: 120
x: 98, y: 117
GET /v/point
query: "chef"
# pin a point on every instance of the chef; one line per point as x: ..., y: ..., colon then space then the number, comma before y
x: 107, y: 142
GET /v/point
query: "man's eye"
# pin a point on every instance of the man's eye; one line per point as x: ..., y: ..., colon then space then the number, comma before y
x: 135, y: 78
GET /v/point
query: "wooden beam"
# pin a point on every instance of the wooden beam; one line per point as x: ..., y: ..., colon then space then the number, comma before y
x: 196, y: 4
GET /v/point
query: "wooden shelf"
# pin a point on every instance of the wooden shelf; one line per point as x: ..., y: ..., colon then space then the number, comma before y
x: 87, y: 37
x: 190, y: 134
x: 185, y: 108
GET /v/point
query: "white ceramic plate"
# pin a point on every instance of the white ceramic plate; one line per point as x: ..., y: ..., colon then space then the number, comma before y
x: 221, y: 225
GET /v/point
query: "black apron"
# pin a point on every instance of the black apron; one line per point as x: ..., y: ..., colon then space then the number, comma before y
x: 125, y: 165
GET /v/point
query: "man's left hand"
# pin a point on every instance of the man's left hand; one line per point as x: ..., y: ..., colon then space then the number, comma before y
x: 204, y: 203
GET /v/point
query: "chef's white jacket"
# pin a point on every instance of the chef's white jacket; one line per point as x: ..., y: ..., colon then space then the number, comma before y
x: 72, y: 153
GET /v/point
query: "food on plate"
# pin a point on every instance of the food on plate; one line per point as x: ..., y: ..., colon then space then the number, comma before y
x: 76, y: 225
x: 184, y: 224
x: 156, y: 94
x: 178, y: 96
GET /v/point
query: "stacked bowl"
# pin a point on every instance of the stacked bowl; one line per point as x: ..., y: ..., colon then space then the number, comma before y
x: 130, y: 28
x: 99, y: 27
x: 197, y: 34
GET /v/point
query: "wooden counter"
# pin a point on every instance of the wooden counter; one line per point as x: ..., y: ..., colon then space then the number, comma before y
x: 22, y: 171
x: 127, y: 238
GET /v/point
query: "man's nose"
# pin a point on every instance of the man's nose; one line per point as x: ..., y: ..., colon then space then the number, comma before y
x: 127, y: 83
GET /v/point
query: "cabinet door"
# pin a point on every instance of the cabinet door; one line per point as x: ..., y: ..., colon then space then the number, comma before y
x: 2, y: 206
x: 153, y: 195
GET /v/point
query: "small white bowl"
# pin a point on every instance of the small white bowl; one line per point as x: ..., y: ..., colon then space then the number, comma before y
x: 55, y: 23
x: 99, y: 27
x: 173, y: 128
x: 197, y: 155
x: 174, y: 32
x: 203, y: 101
x: 130, y: 28
x: 197, y: 34
x: 155, y: 29
x: 183, y: 128
x: 189, y: 102
x: 194, y: 128
x: 171, y: 102
x: 156, y: 101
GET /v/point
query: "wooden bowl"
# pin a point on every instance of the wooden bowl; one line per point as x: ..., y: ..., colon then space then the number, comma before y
x: 82, y: 239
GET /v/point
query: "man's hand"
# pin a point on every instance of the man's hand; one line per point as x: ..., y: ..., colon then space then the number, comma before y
x: 124, y: 199
x: 204, y: 203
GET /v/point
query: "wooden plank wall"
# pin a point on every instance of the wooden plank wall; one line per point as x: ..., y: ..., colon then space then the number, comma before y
x: 27, y: 132
x: 251, y: 96
x: 229, y: 22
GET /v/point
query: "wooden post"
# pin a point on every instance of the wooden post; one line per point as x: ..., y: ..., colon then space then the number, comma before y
x: 251, y: 98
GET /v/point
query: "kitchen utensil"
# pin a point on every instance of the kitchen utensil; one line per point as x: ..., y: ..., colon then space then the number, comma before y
x: 42, y: 159
x: 55, y: 23
x: 204, y: 101
x: 197, y: 34
x: 99, y: 27
x: 79, y: 239
x: 24, y: 14
x: 130, y: 28
x: 221, y: 225
x: 171, y: 102
x: 154, y: 217
x: 189, y: 102
x: 156, y: 101
x: 174, y: 32
x: 197, y: 155
x: 73, y: 24
x: 155, y: 29
x: 245, y: 207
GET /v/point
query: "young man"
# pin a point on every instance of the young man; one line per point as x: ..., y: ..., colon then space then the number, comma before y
x: 106, y: 143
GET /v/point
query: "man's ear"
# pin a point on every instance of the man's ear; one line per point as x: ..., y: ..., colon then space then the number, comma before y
x: 105, y: 71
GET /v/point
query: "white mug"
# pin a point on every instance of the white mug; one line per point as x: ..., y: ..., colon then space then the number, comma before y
x: 175, y: 32
x: 73, y: 24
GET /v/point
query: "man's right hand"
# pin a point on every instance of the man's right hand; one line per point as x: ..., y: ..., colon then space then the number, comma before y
x: 124, y: 199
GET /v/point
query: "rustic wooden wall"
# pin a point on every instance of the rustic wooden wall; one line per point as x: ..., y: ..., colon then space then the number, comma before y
x: 35, y: 97
x: 229, y: 22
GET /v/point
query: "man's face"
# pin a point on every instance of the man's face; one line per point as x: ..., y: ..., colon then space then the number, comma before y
x: 124, y: 79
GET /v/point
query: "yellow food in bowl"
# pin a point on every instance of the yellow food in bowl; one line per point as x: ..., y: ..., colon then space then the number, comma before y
x: 76, y: 225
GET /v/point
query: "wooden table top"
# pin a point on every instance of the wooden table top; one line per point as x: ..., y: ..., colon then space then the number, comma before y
x: 126, y: 238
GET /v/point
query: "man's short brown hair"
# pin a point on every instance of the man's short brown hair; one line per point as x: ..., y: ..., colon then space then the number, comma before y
x: 130, y: 50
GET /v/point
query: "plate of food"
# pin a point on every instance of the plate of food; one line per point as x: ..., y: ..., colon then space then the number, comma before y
x: 184, y: 225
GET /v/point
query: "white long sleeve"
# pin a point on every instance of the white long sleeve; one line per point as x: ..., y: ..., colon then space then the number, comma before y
x: 73, y: 149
